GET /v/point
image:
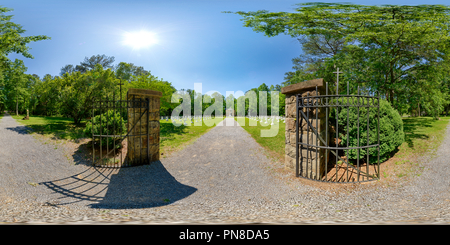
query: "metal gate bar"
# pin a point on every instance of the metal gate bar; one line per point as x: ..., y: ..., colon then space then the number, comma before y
x: 118, y: 105
x: 335, y: 102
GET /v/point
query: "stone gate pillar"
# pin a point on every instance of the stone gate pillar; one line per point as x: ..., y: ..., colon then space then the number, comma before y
x: 315, y: 166
x: 143, y: 126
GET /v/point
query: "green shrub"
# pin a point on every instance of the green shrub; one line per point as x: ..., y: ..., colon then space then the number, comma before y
x: 391, y: 130
x: 108, y: 123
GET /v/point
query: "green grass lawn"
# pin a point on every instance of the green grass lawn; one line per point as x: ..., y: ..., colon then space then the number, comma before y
x: 422, y: 134
x: 274, y: 145
x: 55, y: 127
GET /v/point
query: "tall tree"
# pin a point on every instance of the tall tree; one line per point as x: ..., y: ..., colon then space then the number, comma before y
x: 67, y: 69
x: 386, y: 48
x: 149, y: 81
x: 126, y: 71
x: 79, y: 89
x: 15, y: 84
x: 89, y: 63
x: 11, y: 39
x: 315, y: 50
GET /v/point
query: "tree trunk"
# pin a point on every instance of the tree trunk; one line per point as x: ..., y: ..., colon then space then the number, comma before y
x: 391, y: 94
x: 418, y: 106
x: 78, y: 120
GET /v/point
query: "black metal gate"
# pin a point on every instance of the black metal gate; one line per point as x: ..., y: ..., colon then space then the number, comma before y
x: 324, y: 156
x: 109, y: 147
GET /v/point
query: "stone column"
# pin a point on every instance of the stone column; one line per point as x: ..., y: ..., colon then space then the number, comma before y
x: 315, y: 166
x: 143, y: 149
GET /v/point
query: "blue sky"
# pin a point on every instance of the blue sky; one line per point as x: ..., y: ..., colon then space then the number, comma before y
x: 196, y: 42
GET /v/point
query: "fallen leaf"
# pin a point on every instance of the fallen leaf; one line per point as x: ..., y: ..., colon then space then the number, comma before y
x: 33, y: 184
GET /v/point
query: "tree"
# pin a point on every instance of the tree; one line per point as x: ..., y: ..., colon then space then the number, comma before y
x: 89, y: 63
x: 67, y: 69
x: 126, y: 71
x: 148, y: 81
x: 386, y: 48
x: 78, y: 90
x: 315, y: 50
x: 15, y: 84
x: 47, y: 94
x: 11, y: 40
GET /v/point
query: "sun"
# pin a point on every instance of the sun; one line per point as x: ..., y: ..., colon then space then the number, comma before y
x: 140, y: 39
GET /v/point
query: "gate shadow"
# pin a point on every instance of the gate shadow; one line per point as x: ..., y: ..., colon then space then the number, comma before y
x: 143, y: 186
x: 124, y: 188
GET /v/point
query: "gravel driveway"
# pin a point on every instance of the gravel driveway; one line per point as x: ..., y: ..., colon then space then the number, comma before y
x: 223, y: 177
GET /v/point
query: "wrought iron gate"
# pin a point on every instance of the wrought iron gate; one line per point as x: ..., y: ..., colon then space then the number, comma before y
x: 107, y: 128
x: 325, y: 138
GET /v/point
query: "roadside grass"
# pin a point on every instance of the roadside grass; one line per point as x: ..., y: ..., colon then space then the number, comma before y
x: 53, y: 127
x: 175, y: 137
x: 273, y: 145
x: 423, y: 136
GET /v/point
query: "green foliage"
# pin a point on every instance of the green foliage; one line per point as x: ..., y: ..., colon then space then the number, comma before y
x: 390, y: 129
x: 108, y: 123
x: 11, y: 39
x: 14, y: 84
x: 148, y: 81
x: 400, y: 51
x: 78, y: 90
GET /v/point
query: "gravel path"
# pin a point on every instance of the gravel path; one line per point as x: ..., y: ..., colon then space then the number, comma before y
x: 223, y: 177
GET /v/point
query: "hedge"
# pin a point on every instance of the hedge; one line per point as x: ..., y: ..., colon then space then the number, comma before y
x: 391, y: 130
x: 108, y: 123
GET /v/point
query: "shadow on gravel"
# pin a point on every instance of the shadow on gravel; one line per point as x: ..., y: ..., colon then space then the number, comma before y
x: 20, y: 129
x: 125, y: 188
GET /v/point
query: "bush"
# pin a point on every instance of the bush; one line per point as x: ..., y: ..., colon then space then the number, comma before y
x: 110, y: 123
x: 391, y: 130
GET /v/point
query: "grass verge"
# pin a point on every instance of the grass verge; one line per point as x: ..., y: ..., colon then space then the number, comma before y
x: 274, y: 145
x: 423, y: 136
x: 54, y: 127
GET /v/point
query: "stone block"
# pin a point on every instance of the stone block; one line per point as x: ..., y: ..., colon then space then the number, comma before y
x: 289, y: 162
x: 292, y: 138
x: 289, y: 150
x: 290, y: 124
x: 291, y: 111
x: 287, y: 138
x: 290, y: 99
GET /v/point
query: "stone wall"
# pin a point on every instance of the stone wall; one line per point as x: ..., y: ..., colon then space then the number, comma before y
x: 312, y: 166
x: 142, y: 149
